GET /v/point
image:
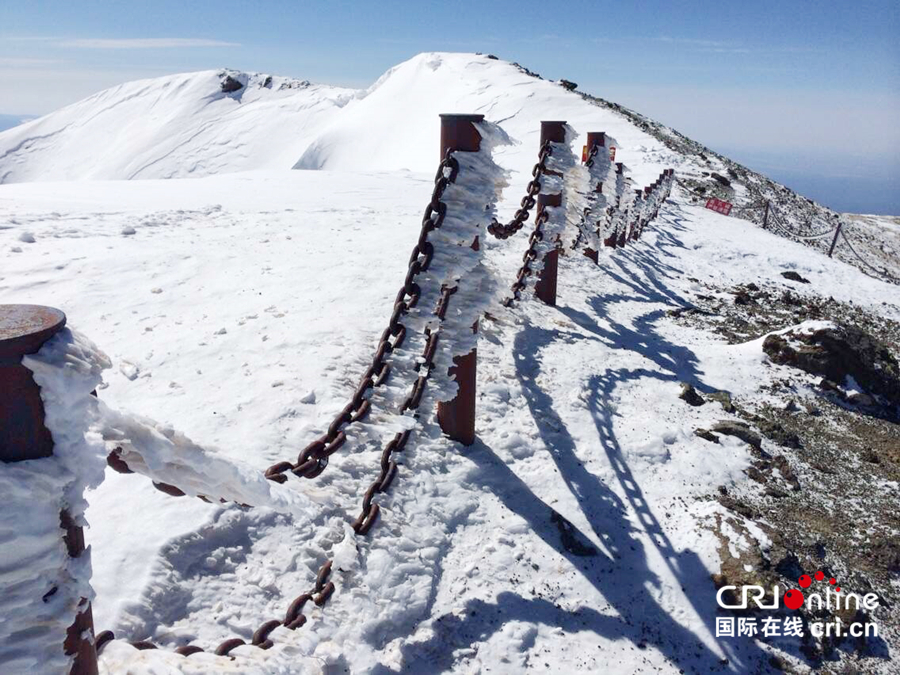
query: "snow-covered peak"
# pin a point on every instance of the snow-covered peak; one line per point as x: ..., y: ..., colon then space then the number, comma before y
x: 395, y: 124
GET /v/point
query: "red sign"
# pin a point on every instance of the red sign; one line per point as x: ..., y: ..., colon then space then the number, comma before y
x: 718, y: 206
x: 584, y: 154
x: 612, y: 154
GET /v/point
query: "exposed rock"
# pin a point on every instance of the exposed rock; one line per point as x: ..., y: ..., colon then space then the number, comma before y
x: 886, y: 553
x: 793, y: 276
x: 721, y: 179
x: 690, y: 395
x: 706, y: 435
x: 230, y: 84
x: 724, y: 398
x: 781, y: 436
x: 839, y: 352
x: 742, y: 297
x: 566, y: 84
x: 739, y: 430
x: 784, y: 468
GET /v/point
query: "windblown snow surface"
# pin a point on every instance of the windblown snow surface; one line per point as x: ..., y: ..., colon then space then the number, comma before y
x: 242, y: 308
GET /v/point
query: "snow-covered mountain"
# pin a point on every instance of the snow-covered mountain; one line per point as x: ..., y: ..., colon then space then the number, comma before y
x: 195, y: 124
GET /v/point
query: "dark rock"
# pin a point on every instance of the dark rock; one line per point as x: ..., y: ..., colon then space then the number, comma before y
x: 752, y: 287
x: 724, y: 398
x: 566, y: 84
x: 775, y: 492
x: 742, y: 297
x: 777, y: 433
x: 720, y: 179
x: 492, y: 57
x: 739, y: 430
x: 706, y: 435
x: 789, y: 567
x: 690, y: 395
x: 268, y: 83
x: 860, y: 399
x: 229, y: 84
x: 886, y: 553
x: 738, y: 507
x: 756, y: 474
x: 838, y: 352
x: 784, y: 468
x: 791, y: 406
x: 793, y: 276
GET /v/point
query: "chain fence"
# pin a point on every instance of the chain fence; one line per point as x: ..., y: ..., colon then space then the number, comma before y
x: 547, y: 191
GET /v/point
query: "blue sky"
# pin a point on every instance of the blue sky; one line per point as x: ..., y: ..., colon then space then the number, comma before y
x: 797, y: 87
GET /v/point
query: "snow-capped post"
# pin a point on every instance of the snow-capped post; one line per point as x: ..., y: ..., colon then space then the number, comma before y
x: 23, y: 436
x: 545, y: 289
x: 457, y: 417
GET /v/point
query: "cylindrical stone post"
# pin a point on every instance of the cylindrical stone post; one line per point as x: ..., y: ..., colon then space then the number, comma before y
x: 23, y: 436
x: 457, y: 417
x: 545, y: 289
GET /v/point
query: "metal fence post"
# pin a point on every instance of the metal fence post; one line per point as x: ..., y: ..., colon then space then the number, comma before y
x: 545, y: 289
x: 594, y: 139
x: 766, y: 216
x: 837, y: 233
x: 23, y: 436
x: 457, y: 417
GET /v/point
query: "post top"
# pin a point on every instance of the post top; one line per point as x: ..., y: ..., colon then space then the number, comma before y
x: 553, y: 121
x: 471, y: 117
x: 24, y: 328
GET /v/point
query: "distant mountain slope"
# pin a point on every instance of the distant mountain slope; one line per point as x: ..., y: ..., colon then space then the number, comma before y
x: 213, y: 122
x: 169, y: 127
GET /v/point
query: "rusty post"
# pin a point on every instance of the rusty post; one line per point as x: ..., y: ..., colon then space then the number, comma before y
x: 545, y: 289
x: 23, y: 436
x: 457, y: 417
x: 594, y: 138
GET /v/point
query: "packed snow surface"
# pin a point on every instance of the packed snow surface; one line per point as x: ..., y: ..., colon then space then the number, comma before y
x: 242, y: 311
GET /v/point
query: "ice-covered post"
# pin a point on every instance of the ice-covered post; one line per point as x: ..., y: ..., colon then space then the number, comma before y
x: 545, y: 289
x: 595, y: 139
x: 613, y: 239
x: 23, y: 436
x: 457, y: 417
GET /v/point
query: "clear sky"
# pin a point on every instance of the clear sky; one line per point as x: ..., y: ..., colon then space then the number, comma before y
x: 804, y: 88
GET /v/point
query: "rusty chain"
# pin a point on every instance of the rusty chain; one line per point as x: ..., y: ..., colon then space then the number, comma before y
x: 407, y: 298
x: 501, y: 231
x: 530, y: 254
x: 313, y: 459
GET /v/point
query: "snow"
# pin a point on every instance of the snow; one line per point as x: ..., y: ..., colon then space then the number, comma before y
x: 240, y: 310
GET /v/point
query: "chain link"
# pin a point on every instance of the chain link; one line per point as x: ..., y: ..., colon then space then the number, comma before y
x: 313, y: 459
x: 501, y: 231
